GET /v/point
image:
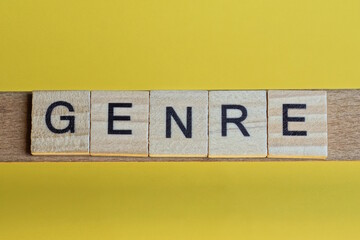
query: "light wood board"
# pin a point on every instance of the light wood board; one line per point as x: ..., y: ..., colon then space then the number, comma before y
x: 15, y: 125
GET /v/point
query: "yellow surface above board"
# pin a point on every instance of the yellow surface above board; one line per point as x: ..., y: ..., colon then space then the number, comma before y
x: 215, y: 44
x: 188, y: 44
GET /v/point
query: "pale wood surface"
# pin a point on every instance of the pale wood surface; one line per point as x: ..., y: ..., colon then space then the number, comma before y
x: 235, y: 144
x: 104, y: 144
x: 314, y: 144
x: 178, y: 145
x: 43, y: 141
x: 15, y: 126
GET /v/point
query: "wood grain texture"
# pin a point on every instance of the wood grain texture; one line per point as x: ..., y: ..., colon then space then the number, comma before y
x: 177, y: 144
x: 247, y: 105
x: 119, y: 144
x: 15, y: 126
x: 306, y: 115
x: 75, y: 138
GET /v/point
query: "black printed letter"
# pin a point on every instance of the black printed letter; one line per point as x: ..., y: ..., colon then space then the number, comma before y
x: 112, y: 118
x: 287, y: 119
x: 237, y: 121
x: 71, y: 119
x: 170, y: 112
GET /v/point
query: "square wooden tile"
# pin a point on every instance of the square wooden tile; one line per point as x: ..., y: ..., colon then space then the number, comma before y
x: 237, y: 124
x: 119, y: 123
x: 178, y: 123
x: 297, y: 124
x: 60, y: 123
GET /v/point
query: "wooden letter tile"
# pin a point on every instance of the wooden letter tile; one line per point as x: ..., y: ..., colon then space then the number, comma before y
x: 119, y: 123
x: 60, y: 123
x: 178, y: 123
x: 237, y: 124
x: 297, y: 124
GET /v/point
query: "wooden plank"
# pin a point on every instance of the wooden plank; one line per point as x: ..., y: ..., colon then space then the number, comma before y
x: 15, y: 124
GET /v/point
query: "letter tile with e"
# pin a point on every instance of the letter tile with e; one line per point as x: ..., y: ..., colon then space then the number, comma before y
x: 237, y: 124
x: 297, y: 122
x: 119, y: 123
x: 178, y: 123
x: 60, y: 123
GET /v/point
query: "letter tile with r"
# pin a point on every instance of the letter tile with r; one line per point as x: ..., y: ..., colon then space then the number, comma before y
x: 60, y: 123
x: 237, y: 124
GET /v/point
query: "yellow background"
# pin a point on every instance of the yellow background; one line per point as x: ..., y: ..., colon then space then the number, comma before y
x: 183, y: 44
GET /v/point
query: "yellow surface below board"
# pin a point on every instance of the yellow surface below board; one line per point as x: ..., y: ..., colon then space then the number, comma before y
x: 212, y: 44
